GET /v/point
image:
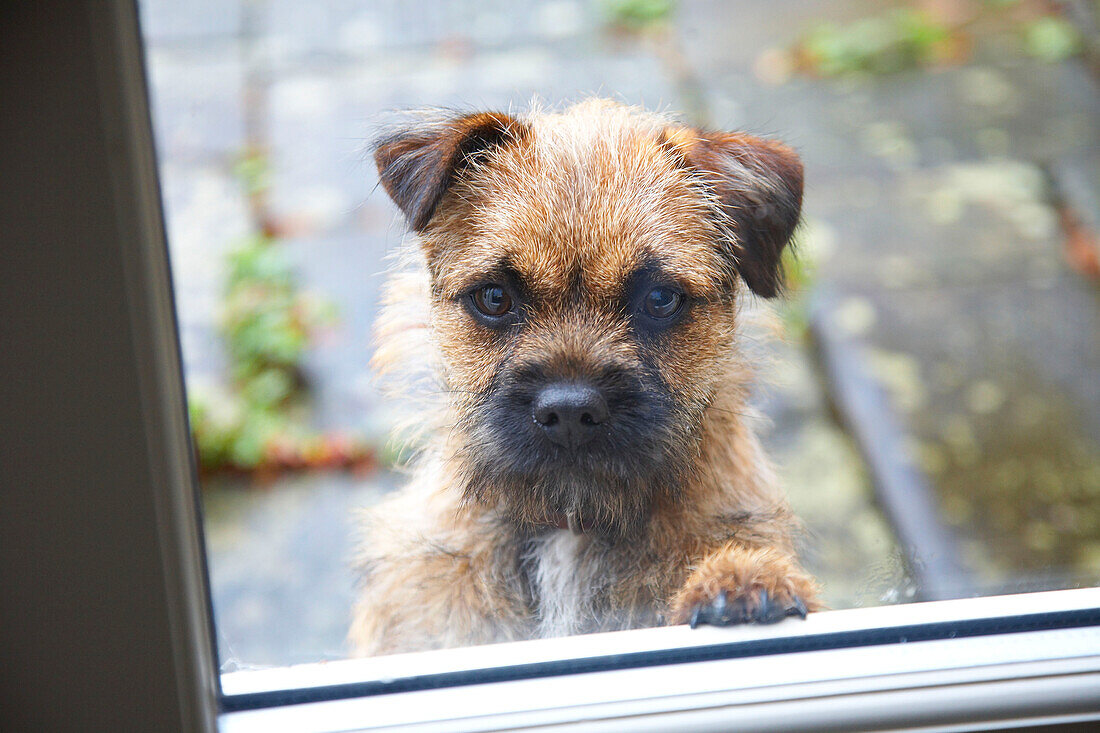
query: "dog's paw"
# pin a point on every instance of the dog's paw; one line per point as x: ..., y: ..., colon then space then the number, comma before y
x: 744, y: 585
x: 761, y: 608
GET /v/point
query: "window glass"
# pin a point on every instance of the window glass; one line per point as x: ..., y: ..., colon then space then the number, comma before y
x: 928, y: 388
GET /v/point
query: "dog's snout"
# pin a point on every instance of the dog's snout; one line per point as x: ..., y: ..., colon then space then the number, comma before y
x: 570, y: 413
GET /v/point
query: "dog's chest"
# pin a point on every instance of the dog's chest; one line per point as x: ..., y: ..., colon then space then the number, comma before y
x: 566, y: 577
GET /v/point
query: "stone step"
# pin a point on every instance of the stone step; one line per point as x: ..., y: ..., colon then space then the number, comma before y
x: 973, y: 390
x: 1075, y: 180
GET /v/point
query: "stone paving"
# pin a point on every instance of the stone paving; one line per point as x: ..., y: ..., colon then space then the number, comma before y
x: 928, y: 221
x: 280, y: 565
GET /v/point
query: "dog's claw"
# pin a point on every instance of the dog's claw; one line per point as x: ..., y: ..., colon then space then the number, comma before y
x: 768, y: 612
x: 714, y: 613
x: 798, y: 609
x: 720, y: 610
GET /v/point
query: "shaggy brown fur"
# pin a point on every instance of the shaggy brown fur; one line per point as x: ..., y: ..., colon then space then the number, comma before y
x: 579, y: 227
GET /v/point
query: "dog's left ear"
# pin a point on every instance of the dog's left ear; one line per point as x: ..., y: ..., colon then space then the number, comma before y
x: 417, y: 163
x: 758, y: 186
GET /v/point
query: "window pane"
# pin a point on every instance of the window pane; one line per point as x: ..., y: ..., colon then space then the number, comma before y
x: 928, y: 388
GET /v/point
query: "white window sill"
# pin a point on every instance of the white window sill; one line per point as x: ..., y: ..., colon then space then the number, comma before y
x: 802, y: 675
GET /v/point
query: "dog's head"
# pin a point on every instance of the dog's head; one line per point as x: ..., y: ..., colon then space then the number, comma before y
x: 585, y: 269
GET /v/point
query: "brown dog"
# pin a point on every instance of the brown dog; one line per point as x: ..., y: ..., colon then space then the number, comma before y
x: 573, y: 293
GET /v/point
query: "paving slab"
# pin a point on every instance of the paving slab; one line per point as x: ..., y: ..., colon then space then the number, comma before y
x: 998, y: 386
x: 195, y: 96
x: 197, y: 22
x: 989, y: 348
x: 279, y: 555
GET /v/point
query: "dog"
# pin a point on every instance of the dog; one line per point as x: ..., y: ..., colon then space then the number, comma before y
x: 571, y: 298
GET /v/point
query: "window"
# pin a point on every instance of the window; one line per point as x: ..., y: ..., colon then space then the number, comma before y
x: 125, y: 486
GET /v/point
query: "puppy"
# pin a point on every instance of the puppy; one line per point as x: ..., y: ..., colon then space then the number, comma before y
x: 572, y: 293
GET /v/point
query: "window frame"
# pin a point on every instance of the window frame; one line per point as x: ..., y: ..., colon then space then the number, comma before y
x: 105, y: 621
x: 990, y: 681
x: 993, y: 673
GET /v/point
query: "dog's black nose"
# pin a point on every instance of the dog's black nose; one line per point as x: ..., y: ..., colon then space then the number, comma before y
x: 570, y: 413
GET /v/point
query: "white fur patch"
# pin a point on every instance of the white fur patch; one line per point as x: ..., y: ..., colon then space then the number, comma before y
x: 563, y: 583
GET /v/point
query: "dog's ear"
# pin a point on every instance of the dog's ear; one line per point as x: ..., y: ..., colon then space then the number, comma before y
x: 757, y: 185
x: 418, y: 163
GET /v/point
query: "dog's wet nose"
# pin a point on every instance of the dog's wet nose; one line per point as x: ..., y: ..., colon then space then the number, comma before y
x: 570, y: 413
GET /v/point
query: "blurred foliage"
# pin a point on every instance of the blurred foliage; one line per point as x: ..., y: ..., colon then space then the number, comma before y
x: 1051, y: 38
x: 637, y: 15
x: 794, y: 308
x: 900, y: 39
x: 253, y: 172
x: 267, y: 325
x: 915, y: 37
x: 799, y: 263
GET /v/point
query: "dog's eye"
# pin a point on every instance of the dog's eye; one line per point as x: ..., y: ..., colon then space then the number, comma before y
x: 492, y: 300
x: 661, y: 302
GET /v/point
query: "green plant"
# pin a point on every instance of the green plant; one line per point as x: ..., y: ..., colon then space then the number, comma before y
x: 907, y: 38
x: 259, y: 422
x: 793, y: 308
x: 638, y: 15
x: 812, y: 244
x: 1051, y: 38
x: 900, y: 39
x: 267, y: 322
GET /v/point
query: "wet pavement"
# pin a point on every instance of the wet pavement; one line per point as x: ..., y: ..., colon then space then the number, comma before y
x: 929, y: 224
x: 280, y: 565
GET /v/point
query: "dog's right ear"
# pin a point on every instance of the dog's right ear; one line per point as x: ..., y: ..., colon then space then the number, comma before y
x: 418, y: 163
x: 757, y: 184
